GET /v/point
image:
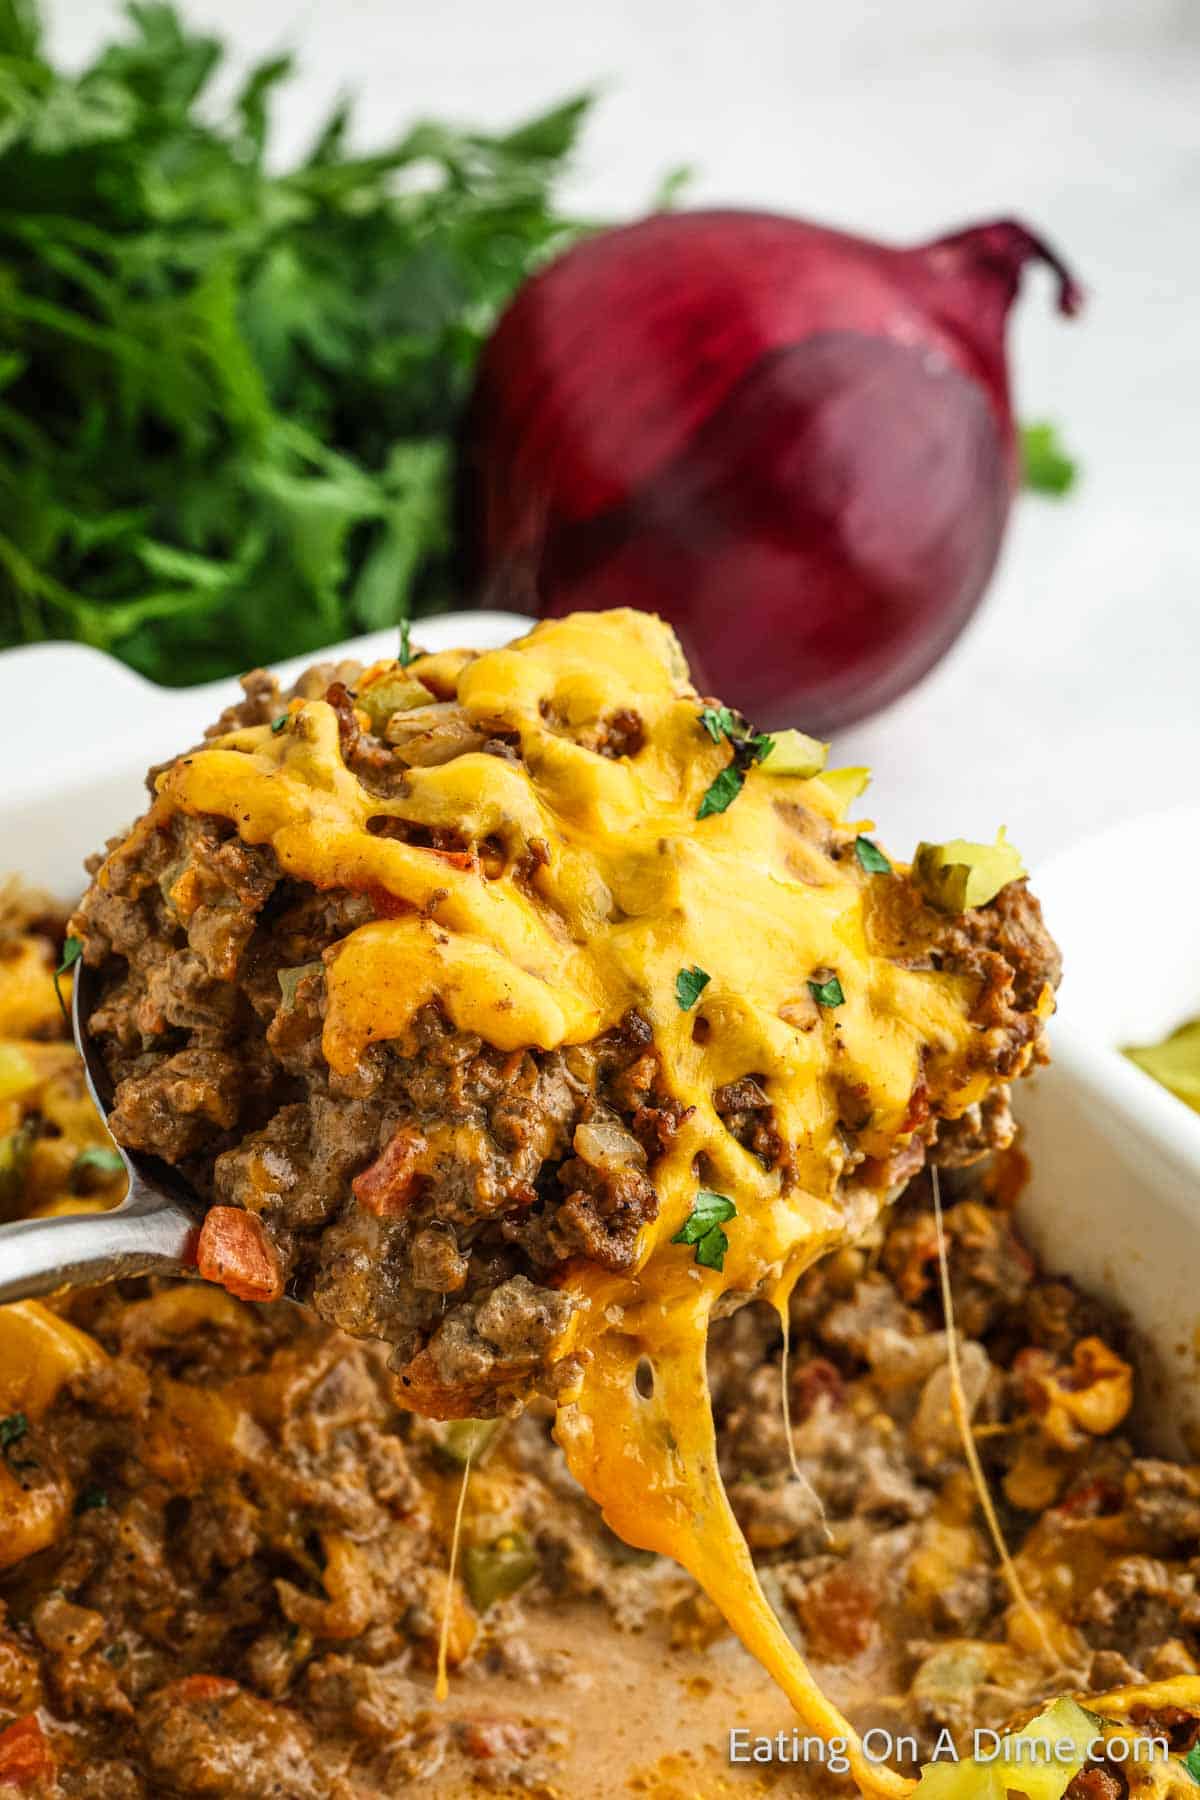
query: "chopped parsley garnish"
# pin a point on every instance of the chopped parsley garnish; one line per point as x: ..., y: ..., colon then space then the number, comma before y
x: 749, y: 747
x: 689, y: 985
x: 871, y: 857
x: 12, y: 1429
x: 279, y: 724
x: 1191, y: 1762
x: 721, y: 793
x: 104, y: 1162
x: 719, y: 722
x: 406, y: 654
x: 827, y: 993
x: 91, y: 1499
x: 71, y: 952
x: 702, y: 1228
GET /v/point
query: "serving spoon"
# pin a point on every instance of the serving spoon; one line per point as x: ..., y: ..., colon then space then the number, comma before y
x: 153, y: 1231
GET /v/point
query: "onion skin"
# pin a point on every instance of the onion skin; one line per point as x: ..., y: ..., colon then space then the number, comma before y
x: 795, y: 445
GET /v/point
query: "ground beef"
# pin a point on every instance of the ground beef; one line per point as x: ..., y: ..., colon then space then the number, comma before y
x: 400, y: 1199
x: 247, y: 1594
x: 749, y: 1117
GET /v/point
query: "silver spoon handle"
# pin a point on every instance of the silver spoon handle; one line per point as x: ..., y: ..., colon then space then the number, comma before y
x: 150, y: 1233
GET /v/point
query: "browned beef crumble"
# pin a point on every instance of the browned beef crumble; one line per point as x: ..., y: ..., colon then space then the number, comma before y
x: 433, y: 1199
x: 247, y: 1598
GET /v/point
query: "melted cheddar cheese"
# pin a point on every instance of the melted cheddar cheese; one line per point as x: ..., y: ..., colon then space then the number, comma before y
x: 629, y: 887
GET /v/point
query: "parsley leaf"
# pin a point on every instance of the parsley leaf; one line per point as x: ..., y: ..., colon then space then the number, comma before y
x: 279, y: 724
x: 689, y: 985
x: 71, y: 952
x: 710, y: 1251
x: 702, y: 1228
x: 13, y: 1429
x: 718, y: 721
x: 827, y: 993
x: 871, y: 857
x: 749, y: 747
x: 233, y: 379
x: 722, y: 792
x: 1191, y: 1762
x: 1046, y: 467
x: 99, y: 1159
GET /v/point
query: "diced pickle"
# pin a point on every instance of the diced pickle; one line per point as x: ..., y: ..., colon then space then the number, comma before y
x: 957, y: 876
x: 494, y: 1571
x: 1175, y: 1063
x: 791, y: 753
x: 391, y: 693
x: 1040, y: 1762
x: 845, y: 785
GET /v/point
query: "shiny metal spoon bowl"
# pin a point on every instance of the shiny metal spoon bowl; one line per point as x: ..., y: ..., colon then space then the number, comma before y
x: 152, y: 1232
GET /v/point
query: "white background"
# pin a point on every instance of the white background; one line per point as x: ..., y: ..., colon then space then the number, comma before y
x: 1074, y: 697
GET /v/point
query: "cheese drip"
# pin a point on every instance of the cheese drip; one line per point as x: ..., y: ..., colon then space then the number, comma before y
x: 650, y: 1459
x: 602, y: 884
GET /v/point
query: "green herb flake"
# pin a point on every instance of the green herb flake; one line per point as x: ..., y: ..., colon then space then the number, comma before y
x: 1046, y: 467
x: 279, y: 724
x: 871, y: 857
x: 689, y: 985
x: 827, y: 993
x: 12, y: 1429
x: 710, y: 1250
x: 96, y: 1159
x: 718, y: 721
x: 72, y: 950
x: 1191, y: 1762
x: 721, y: 793
x: 702, y: 1228
x: 91, y: 1499
x: 406, y: 652
x: 758, y: 746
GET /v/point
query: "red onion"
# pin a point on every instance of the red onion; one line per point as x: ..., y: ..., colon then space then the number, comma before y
x: 795, y: 445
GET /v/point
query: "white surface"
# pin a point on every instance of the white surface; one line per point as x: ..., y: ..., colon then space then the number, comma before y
x: 1073, y: 699
x: 1115, y: 1190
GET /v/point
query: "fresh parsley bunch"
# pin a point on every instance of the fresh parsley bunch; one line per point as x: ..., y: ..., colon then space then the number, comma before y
x: 228, y: 393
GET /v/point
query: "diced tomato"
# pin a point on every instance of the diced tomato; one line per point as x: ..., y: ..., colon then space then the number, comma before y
x: 1091, y: 1498
x: 392, y: 1180
x: 235, y: 1251
x: 25, y: 1754
x: 195, y: 1690
x: 837, y: 1612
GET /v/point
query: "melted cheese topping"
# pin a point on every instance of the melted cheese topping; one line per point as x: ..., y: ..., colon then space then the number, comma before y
x: 628, y: 888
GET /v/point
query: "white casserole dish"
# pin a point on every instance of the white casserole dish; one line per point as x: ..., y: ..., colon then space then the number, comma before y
x: 1115, y: 1194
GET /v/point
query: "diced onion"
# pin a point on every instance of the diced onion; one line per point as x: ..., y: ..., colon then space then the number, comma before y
x: 607, y: 1145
